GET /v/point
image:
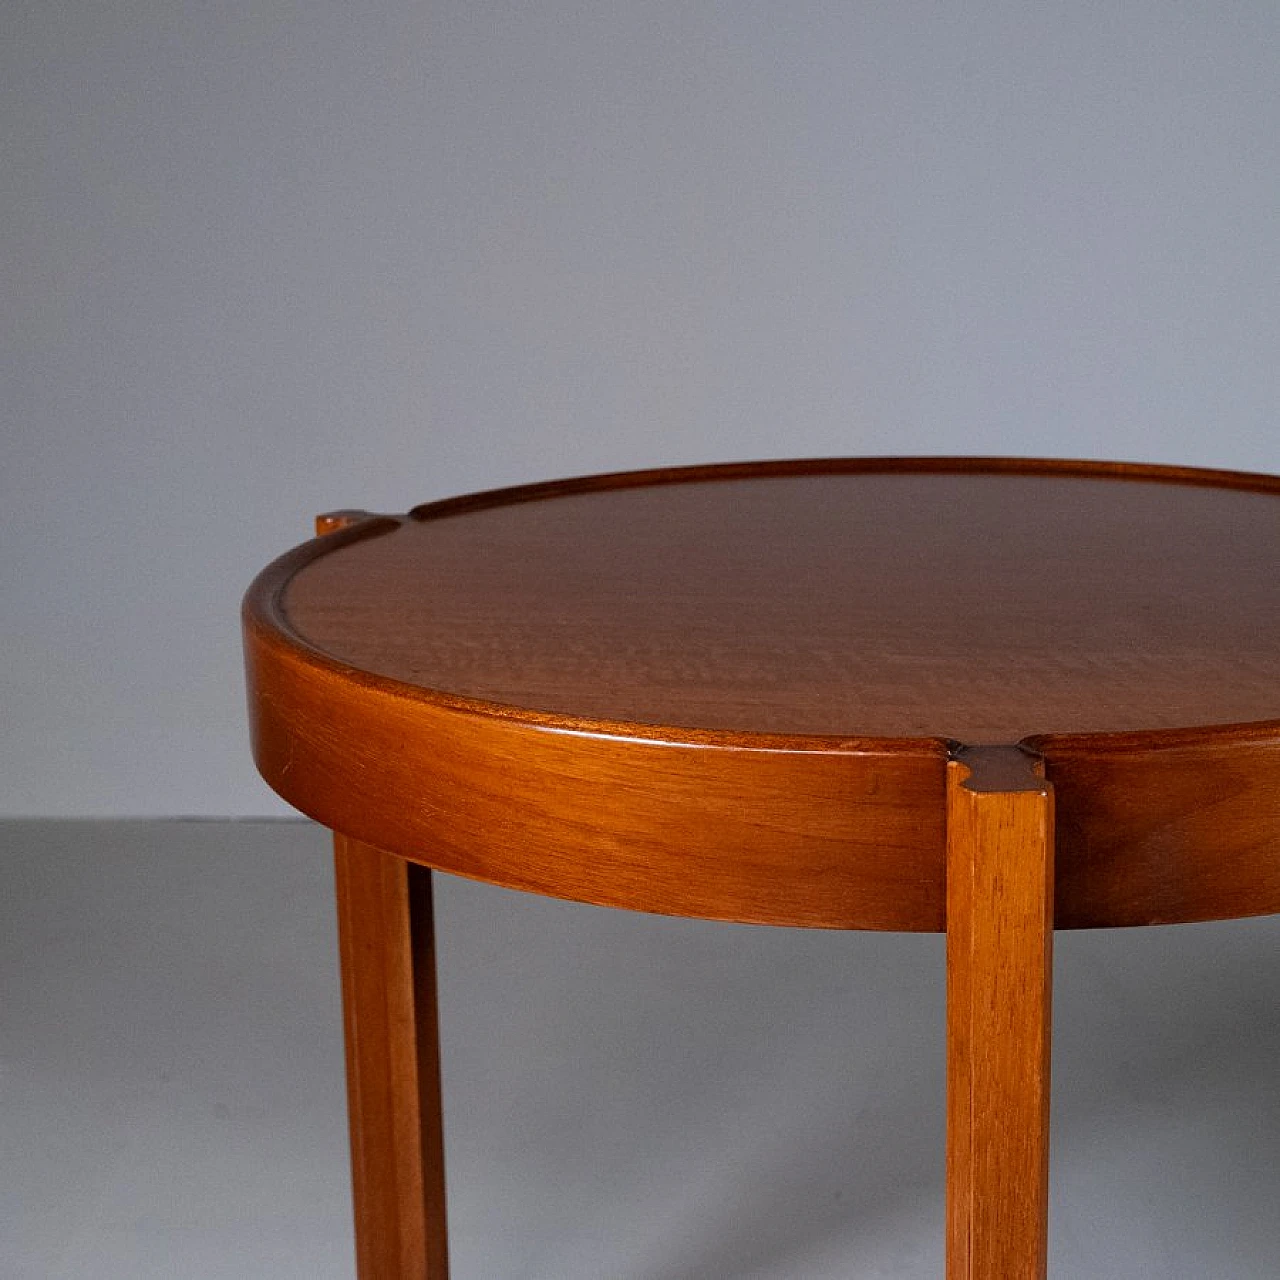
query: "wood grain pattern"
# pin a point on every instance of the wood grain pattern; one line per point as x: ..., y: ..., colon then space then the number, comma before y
x: 783, y: 693
x: 386, y: 940
x: 842, y: 838
x: 1186, y: 829
x: 970, y: 606
x: 999, y: 957
x: 842, y: 829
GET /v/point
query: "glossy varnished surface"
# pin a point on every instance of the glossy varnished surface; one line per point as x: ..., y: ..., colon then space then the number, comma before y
x: 733, y: 692
x: 994, y: 698
x: 974, y: 607
x: 999, y: 980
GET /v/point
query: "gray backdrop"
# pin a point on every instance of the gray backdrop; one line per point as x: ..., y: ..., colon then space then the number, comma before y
x: 262, y: 259
x: 627, y: 1097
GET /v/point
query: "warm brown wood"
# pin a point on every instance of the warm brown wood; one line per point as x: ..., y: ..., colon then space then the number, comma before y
x: 999, y: 957
x: 393, y: 1067
x: 838, y: 838
x: 752, y: 604
x: 1187, y: 830
x: 334, y: 521
x: 784, y: 693
x: 971, y: 606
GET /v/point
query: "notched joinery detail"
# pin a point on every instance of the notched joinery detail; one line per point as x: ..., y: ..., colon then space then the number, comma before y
x: 1001, y: 768
x: 1112, y: 615
x: 334, y: 521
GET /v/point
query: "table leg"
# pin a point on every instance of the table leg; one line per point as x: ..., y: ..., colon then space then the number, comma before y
x: 999, y: 959
x: 386, y: 938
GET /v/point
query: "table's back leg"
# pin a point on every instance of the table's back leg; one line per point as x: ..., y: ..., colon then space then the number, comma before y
x: 386, y: 939
x: 999, y: 957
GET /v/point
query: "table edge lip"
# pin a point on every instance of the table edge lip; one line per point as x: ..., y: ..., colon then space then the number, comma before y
x: 887, y: 464
x: 265, y: 622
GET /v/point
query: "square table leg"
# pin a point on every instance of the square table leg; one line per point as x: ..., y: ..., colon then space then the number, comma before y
x: 386, y: 940
x: 999, y: 958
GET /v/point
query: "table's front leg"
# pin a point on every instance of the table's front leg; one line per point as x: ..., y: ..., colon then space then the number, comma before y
x: 999, y: 957
x: 386, y: 938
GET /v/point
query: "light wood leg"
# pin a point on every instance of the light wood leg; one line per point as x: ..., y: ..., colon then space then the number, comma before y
x: 999, y: 961
x: 386, y: 937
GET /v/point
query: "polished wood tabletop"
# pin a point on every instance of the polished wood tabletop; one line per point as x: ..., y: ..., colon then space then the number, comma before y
x: 994, y: 697
x: 980, y: 607
x: 1123, y: 621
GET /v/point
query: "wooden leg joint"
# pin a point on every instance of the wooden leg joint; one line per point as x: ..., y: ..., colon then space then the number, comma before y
x: 999, y: 962
x: 385, y: 933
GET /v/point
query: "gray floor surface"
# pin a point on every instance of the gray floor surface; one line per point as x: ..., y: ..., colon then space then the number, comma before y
x: 627, y: 1097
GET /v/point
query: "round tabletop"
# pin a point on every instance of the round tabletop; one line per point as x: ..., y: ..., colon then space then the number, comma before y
x: 793, y: 628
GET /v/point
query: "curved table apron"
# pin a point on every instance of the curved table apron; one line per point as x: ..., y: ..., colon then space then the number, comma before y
x: 990, y: 696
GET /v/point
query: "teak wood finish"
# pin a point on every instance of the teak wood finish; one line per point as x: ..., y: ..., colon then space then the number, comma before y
x: 387, y: 946
x: 999, y: 956
x: 992, y: 696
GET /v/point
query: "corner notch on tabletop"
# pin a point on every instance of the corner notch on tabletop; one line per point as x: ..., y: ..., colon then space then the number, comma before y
x: 1000, y: 768
x: 335, y: 521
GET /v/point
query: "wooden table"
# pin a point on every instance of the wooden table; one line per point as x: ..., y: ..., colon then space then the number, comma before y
x: 986, y: 696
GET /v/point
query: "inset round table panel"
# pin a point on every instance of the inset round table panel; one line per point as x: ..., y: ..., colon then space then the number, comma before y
x: 976, y: 607
x: 732, y: 691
